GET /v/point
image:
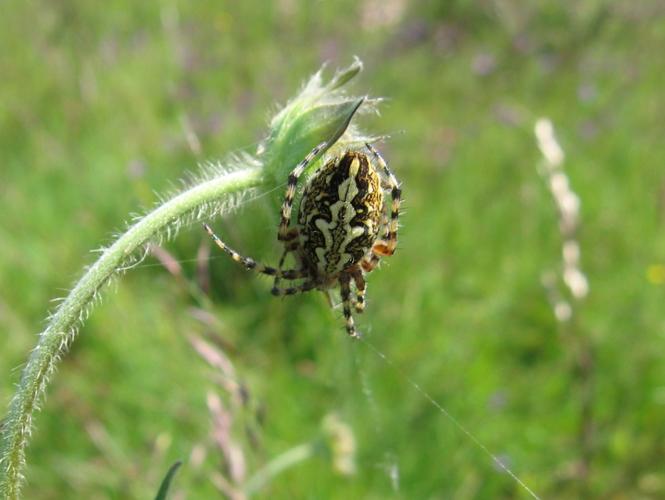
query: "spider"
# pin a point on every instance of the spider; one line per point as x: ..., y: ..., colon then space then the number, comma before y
x: 343, y: 228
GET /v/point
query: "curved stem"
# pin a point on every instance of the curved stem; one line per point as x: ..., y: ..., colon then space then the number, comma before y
x: 62, y: 325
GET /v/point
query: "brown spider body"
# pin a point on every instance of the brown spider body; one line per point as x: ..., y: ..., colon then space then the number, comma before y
x: 342, y: 232
x: 339, y: 216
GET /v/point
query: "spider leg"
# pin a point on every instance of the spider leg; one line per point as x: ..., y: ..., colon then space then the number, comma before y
x: 386, y: 247
x: 361, y: 289
x: 371, y: 261
x: 288, y: 248
x: 381, y: 248
x: 303, y: 287
x: 346, y: 302
x: 284, y: 233
x: 251, y: 264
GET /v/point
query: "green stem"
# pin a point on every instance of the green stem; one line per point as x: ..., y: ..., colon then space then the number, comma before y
x: 62, y: 326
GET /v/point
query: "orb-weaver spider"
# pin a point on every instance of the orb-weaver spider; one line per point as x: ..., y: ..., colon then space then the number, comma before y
x: 342, y: 232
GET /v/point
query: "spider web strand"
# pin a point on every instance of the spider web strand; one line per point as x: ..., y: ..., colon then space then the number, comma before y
x: 450, y: 417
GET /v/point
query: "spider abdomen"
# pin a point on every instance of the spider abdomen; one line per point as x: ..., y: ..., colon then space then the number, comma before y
x: 340, y: 214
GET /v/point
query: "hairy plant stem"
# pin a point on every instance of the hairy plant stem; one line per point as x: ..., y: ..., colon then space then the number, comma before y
x: 61, y: 330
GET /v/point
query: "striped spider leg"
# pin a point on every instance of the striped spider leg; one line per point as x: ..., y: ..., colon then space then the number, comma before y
x: 288, y: 237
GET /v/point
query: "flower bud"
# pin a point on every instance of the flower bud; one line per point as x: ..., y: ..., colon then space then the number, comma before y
x: 321, y: 113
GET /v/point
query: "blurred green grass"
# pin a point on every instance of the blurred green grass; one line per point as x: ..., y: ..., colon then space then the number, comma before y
x: 94, y: 104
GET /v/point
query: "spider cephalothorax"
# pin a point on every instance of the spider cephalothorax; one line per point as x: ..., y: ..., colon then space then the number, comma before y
x: 343, y: 228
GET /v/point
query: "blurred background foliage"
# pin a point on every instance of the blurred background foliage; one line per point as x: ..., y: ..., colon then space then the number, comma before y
x: 104, y: 105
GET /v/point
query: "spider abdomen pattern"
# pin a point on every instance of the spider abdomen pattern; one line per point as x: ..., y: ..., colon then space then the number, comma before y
x: 340, y: 215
